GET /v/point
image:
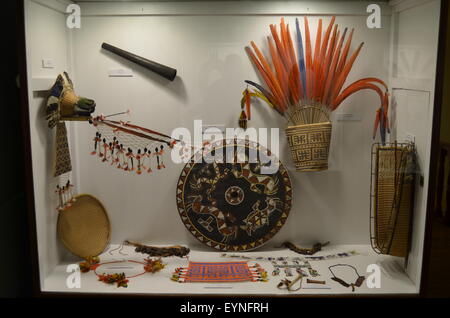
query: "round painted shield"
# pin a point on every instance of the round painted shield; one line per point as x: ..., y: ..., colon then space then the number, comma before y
x: 234, y: 195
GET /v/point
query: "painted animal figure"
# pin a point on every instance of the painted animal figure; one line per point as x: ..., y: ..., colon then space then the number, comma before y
x: 210, y: 179
x: 259, y: 218
x: 221, y: 218
x: 269, y: 183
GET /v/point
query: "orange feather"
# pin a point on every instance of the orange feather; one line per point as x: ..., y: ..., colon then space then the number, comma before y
x: 343, y: 75
x: 295, y: 72
x: 327, y: 63
x: 343, y: 58
x: 279, y: 68
x: 321, y: 65
x: 270, y: 74
x: 279, y: 45
x: 332, y: 72
x: 351, y: 89
x: 277, y: 99
x: 316, y: 63
x: 309, y: 88
x: 373, y: 79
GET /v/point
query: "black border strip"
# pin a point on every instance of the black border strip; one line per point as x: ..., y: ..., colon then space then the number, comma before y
x: 26, y: 147
x: 435, y: 140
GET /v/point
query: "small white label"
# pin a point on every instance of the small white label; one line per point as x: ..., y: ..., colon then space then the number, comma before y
x: 48, y: 63
x: 120, y: 72
x: 218, y: 286
x: 348, y: 117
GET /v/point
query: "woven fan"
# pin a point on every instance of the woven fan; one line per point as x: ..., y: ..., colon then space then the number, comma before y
x: 84, y: 228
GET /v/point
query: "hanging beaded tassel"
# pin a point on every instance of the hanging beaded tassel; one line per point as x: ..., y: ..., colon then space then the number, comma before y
x: 138, y: 159
x: 128, y: 147
x: 245, y: 109
x: 58, y: 191
x: 105, y: 150
x: 243, y: 120
x: 159, y: 157
x: 65, y: 195
x: 97, y: 139
x: 247, y: 103
x: 149, y: 156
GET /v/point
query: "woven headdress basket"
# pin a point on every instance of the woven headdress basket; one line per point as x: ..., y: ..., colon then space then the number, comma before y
x: 68, y: 100
x: 393, y: 182
x: 310, y: 143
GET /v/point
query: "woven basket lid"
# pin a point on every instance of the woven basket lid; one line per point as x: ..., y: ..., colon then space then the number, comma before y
x: 84, y: 228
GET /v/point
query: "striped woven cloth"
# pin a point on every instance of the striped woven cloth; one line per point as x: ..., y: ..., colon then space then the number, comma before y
x: 223, y: 272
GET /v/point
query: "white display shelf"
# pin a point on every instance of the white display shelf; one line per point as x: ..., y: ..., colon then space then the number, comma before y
x: 393, y: 278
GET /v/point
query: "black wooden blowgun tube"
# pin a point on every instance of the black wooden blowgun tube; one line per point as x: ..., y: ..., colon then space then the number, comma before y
x: 160, y: 69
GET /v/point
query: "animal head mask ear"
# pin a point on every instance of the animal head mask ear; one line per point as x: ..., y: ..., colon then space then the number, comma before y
x: 63, y: 103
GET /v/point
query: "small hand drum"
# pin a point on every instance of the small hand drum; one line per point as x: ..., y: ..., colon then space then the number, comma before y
x: 84, y: 228
x: 235, y: 197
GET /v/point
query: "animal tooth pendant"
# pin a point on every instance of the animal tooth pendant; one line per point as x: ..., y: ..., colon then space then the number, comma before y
x: 105, y: 150
x: 132, y: 160
x: 112, y: 148
x: 63, y: 194
x: 159, y: 153
x: 129, y: 158
x: 158, y: 166
x: 67, y: 203
x: 120, y: 157
x: 144, y: 156
x: 96, y: 140
x: 60, y: 198
x: 138, y: 158
x: 69, y: 188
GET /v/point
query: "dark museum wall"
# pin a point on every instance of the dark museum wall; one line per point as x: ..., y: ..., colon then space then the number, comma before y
x: 439, y: 261
x: 13, y: 234
x: 445, y: 127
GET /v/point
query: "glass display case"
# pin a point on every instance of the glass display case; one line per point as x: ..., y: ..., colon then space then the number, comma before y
x: 231, y: 147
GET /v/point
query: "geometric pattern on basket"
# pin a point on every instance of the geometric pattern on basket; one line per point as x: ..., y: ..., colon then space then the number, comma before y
x: 309, y: 145
x: 62, y: 160
x: 221, y: 272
